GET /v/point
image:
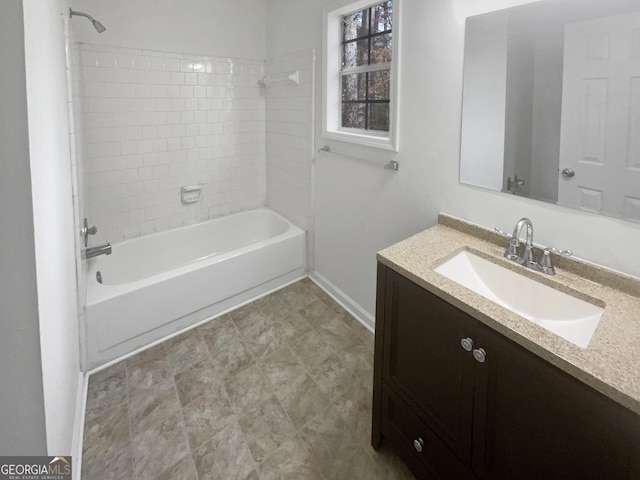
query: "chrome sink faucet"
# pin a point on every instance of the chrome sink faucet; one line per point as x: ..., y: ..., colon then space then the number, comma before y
x: 512, y: 252
x: 526, y: 258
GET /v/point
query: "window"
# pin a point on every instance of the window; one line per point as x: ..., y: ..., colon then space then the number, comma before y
x: 360, y: 81
x: 366, y: 68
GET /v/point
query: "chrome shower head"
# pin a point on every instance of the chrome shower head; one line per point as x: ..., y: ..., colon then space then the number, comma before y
x: 96, y: 24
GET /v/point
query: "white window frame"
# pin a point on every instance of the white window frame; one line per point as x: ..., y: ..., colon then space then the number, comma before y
x: 331, y: 87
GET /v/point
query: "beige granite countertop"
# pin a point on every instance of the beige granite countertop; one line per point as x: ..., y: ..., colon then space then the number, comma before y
x: 611, y: 362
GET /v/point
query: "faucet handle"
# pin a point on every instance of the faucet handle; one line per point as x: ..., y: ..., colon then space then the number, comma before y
x: 512, y: 250
x: 545, y: 265
x: 86, y: 230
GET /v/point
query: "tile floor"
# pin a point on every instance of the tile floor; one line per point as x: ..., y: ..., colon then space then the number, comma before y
x: 278, y: 389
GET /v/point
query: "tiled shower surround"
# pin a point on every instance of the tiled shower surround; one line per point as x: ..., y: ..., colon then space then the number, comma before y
x: 155, y: 121
x: 289, y: 140
x: 289, y: 137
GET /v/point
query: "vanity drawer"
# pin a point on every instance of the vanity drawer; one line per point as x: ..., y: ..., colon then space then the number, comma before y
x: 421, y: 450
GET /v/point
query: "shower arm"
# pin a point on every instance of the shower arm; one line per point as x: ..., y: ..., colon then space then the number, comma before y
x: 96, y: 24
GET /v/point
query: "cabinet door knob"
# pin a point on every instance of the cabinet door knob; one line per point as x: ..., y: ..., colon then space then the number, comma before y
x: 480, y: 355
x: 418, y: 444
x: 467, y: 344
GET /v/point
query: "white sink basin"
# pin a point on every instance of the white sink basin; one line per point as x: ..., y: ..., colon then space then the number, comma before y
x: 569, y: 317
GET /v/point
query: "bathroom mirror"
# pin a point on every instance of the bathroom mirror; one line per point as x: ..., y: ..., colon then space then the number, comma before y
x: 551, y: 104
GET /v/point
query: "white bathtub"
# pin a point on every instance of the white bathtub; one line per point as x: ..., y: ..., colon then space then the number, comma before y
x: 159, y: 284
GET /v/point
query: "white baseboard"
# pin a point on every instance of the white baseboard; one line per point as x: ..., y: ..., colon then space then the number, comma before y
x: 78, y: 425
x: 359, y: 313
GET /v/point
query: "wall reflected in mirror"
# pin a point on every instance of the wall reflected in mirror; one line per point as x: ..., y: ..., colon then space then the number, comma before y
x: 551, y: 104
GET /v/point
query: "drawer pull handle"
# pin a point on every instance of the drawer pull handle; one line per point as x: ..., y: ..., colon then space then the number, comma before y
x: 467, y: 344
x: 480, y: 355
x: 418, y: 444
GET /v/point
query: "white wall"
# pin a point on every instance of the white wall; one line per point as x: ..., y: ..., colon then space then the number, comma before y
x: 518, y: 117
x: 547, y: 113
x: 361, y: 209
x: 53, y: 215
x: 485, y: 82
x: 22, y: 420
x: 234, y: 28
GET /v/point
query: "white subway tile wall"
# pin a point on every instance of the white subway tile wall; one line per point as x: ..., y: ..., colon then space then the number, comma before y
x: 155, y: 121
x: 290, y: 130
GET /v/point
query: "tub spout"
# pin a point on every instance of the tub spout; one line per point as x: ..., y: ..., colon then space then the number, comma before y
x: 95, y: 251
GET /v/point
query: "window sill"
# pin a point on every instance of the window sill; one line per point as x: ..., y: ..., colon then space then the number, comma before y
x: 374, y: 141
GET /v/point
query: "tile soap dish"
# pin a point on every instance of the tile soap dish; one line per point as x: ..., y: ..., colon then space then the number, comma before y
x: 191, y: 193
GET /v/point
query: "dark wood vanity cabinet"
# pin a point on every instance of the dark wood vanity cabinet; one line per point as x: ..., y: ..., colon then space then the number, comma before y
x: 490, y: 411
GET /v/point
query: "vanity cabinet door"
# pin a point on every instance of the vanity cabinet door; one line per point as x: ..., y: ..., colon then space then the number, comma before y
x: 533, y: 421
x: 424, y: 362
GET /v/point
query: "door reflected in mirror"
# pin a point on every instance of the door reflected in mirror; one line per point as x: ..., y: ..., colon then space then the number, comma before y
x: 551, y: 104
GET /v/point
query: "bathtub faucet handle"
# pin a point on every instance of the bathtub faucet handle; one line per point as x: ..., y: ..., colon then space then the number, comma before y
x: 86, y: 230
